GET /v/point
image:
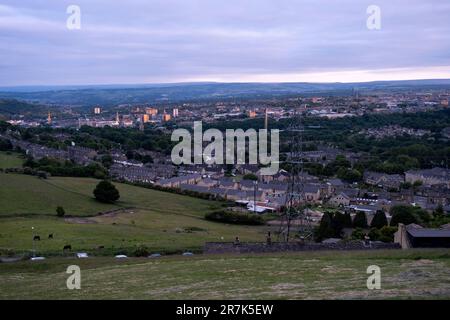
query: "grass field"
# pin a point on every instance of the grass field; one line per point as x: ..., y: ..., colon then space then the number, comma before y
x: 10, y: 160
x: 422, y: 274
x: 159, y: 220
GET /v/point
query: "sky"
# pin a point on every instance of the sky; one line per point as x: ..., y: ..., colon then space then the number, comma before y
x: 160, y: 41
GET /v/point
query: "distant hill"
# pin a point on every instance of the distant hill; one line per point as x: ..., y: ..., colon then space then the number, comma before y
x: 108, y: 95
x: 13, y: 106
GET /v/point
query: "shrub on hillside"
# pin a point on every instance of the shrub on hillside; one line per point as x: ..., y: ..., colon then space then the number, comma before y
x: 234, y: 217
x: 60, y: 212
x: 141, y: 251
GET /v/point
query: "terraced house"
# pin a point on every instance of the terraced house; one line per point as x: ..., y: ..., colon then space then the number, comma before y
x: 429, y: 176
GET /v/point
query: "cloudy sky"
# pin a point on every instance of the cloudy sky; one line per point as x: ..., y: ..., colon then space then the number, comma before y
x: 154, y: 41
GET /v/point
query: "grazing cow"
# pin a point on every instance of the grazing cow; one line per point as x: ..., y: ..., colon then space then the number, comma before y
x: 101, y: 247
x: 50, y: 236
x: 67, y: 247
x: 37, y: 238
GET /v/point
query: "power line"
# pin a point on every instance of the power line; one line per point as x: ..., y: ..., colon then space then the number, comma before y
x: 294, y: 208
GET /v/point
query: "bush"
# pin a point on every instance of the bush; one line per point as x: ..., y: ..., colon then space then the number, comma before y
x: 106, y: 192
x: 234, y: 217
x: 42, y: 174
x: 374, y: 234
x: 141, y: 251
x: 60, y: 212
x: 358, y: 234
x: 194, y: 229
x: 387, y: 234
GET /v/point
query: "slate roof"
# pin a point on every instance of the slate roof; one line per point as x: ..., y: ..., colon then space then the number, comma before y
x: 419, y: 232
x: 429, y: 233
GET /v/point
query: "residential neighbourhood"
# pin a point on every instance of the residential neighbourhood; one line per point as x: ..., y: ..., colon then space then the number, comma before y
x: 431, y: 189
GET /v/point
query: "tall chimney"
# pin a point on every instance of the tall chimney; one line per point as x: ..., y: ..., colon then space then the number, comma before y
x: 266, y: 120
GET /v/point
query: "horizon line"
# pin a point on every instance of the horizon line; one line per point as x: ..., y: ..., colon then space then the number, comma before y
x: 216, y: 82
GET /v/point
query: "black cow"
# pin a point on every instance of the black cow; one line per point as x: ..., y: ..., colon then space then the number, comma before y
x: 50, y: 236
x: 37, y: 238
x: 67, y: 247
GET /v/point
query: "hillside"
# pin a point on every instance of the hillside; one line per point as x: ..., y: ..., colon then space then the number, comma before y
x: 161, y: 221
x: 10, y: 160
x: 419, y: 274
x: 12, y: 106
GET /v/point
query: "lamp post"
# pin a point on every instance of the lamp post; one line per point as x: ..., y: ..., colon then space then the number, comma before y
x: 255, y: 185
x: 32, y: 239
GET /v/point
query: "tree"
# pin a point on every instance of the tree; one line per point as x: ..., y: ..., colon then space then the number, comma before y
x: 405, y: 185
x: 60, y: 212
x: 421, y: 215
x: 439, y: 211
x: 439, y: 218
x: 379, y: 220
x: 325, y: 229
x: 5, y: 145
x: 360, y: 220
x: 250, y: 176
x: 338, y: 221
x: 130, y: 154
x: 107, y: 160
x: 349, y: 175
x: 417, y: 183
x: 347, y: 220
x: 106, y: 192
x: 402, y: 214
x: 147, y: 159
x: 341, y: 161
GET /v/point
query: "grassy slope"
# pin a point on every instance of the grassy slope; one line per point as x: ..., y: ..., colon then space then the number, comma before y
x: 11, y: 160
x: 157, y: 220
x: 320, y: 275
x: 22, y: 194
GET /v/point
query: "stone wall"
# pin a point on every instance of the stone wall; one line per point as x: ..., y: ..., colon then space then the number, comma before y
x: 260, y: 247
